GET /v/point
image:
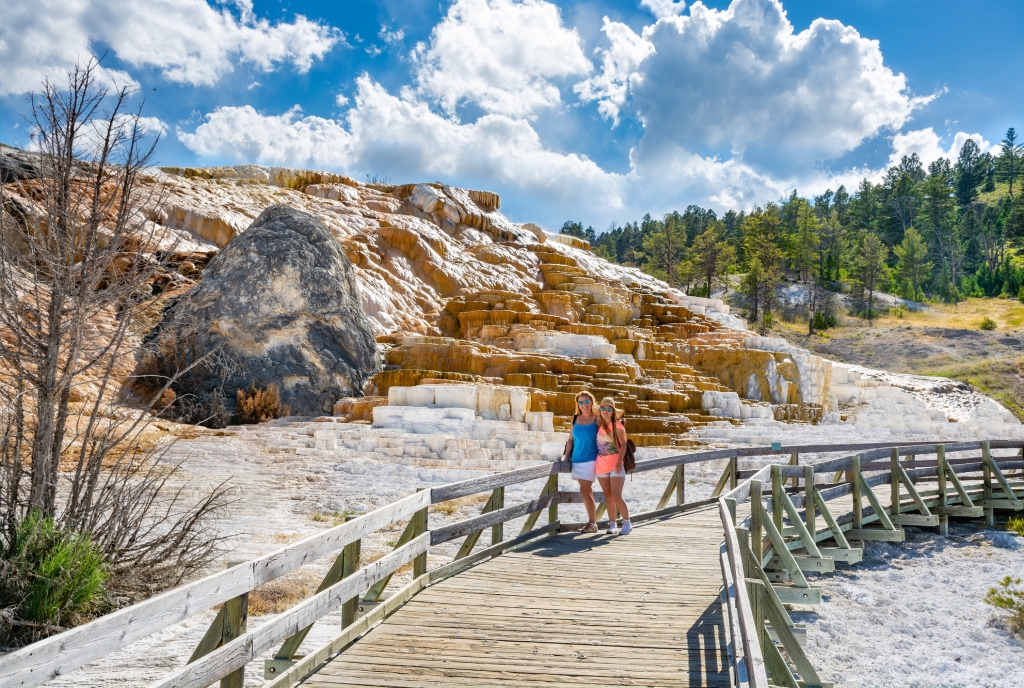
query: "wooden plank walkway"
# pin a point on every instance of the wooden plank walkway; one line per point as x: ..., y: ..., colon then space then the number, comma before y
x: 635, y: 610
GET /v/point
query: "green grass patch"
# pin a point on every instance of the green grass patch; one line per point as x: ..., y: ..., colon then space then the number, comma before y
x: 1016, y: 524
x: 1009, y: 596
x: 1002, y: 379
x: 51, y: 577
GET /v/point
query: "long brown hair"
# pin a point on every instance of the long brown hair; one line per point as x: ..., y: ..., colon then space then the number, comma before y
x: 593, y: 402
x: 609, y: 428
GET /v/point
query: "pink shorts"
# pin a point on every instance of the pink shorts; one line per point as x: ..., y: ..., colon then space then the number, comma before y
x: 607, y: 464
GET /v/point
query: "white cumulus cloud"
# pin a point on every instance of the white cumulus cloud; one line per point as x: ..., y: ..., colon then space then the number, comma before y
x: 741, y: 82
x: 664, y: 8
x: 387, y: 134
x: 190, y: 41
x: 610, y: 87
x: 737, y: 109
x: 928, y: 146
x: 241, y: 134
x: 502, y: 55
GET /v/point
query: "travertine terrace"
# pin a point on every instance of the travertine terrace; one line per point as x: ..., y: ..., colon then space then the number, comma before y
x: 489, y: 325
x: 460, y: 295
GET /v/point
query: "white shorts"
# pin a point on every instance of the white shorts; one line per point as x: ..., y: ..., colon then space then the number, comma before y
x: 584, y: 471
x: 620, y: 474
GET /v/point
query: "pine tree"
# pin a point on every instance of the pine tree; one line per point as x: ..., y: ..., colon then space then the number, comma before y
x: 832, y: 236
x: 663, y: 246
x: 913, y: 266
x: 711, y: 256
x: 871, y: 266
x: 764, y: 239
x: 1010, y: 158
x: 805, y: 241
x: 970, y: 173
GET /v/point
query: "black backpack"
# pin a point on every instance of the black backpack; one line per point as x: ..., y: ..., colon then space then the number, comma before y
x: 629, y: 458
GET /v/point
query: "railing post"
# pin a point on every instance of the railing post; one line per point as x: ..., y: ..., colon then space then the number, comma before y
x: 794, y: 460
x: 680, y: 484
x: 734, y: 472
x: 857, y: 496
x: 894, y: 481
x: 743, y: 535
x: 498, y: 531
x: 419, y: 564
x: 755, y: 591
x: 777, y: 496
x: 809, y: 510
x: 755, y: 519
x: 940, y: 460
x: 986, y: 467
x: 236, y: 614
x: 552, y: 488
x: 350, y: 556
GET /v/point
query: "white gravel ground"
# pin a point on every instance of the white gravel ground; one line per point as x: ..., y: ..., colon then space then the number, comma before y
x: 912, y: 614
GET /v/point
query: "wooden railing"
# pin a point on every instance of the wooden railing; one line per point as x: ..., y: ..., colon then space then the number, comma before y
x: 351, y: 585
x: 767, y: 556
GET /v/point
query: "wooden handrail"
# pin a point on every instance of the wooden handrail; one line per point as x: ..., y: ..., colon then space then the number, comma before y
x: 58, y: 655
x: 245, y: 648
x: 882, y: 473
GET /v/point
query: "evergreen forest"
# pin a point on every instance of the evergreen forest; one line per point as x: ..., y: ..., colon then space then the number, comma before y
x: 948, y: 231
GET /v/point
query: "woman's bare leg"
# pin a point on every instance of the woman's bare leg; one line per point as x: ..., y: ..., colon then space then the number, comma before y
x: 616, y: 491
x: 587, y: 490
x: 609, y: 500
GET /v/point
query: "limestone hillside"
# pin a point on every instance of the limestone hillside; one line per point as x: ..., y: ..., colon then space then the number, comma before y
x: 456, y: 293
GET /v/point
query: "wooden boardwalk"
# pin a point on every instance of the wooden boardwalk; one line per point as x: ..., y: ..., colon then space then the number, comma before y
x: 636, y: 610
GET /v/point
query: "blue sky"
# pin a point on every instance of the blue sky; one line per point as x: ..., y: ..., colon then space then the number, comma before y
x: 597, y: 111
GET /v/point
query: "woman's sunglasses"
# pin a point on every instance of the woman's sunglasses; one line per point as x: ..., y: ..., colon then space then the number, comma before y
x: 583, y: 402
x: 607, y: 408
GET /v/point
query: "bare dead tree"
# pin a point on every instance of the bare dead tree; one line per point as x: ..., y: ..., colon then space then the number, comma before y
x: 78, y: 255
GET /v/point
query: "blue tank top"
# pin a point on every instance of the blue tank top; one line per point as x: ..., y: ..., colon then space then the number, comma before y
x: 584, y: 443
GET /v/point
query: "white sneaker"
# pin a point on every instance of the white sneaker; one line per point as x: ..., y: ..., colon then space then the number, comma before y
x: 612, y: 530
x: 627, y: 527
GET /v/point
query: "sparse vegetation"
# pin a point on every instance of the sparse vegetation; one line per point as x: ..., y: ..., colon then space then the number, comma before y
x: 260, y: 405
x: 1001, y: 379
x: 988, y: 324
x: 1009, y: 596
x: 1016, y: 524
x: 50, y: 577
x: 446, y: 508
x: 283, y: 593
x: 765, y: 324
x: 824, y: 321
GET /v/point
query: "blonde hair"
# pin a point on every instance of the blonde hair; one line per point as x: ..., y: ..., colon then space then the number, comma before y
x: 588, y: 395
x: 616, y: 415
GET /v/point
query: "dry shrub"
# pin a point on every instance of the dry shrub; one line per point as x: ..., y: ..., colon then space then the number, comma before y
x: 260, y: 405
x: 452, y: 506
x: 283, y: 593
x: 446, y: 508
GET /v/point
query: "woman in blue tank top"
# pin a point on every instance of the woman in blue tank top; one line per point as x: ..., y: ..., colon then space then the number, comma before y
x: 582, y: 451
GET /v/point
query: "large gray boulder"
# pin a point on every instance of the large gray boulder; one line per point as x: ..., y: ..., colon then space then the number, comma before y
x: 280, y: 303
